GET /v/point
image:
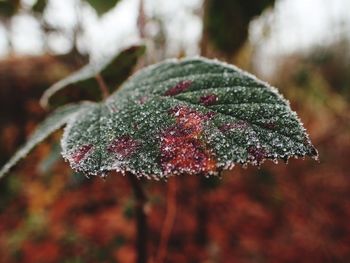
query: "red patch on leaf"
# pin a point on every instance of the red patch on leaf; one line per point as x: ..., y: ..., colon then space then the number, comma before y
x: 123, y: 146
x: 208, y: 100
x: 81, y: 153
x: 257, y: 154
x: 178, y: 88
x: 188, y: 118
x: 181, y: 147
x: 240, y: 125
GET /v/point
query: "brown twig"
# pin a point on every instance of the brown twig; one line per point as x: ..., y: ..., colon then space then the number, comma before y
x: 102, y: 85
x: 141, y: 20
x: 168, y: 222
x: 141, y: 219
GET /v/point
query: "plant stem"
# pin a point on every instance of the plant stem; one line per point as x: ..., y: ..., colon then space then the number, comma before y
x: 102, y: 85
x: 168, y: 222
x: 141, y: 219
x: 201, y: 214
x: 141, y: 20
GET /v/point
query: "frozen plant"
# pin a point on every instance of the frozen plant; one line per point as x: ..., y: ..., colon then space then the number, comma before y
x: 188, y: 116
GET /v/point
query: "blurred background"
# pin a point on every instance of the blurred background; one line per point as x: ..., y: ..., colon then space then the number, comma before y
x: 298, y: 212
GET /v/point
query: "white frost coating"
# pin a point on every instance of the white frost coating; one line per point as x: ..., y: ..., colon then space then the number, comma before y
x: 57, y: 119
x: 271, y: 88
x: 239, y: 70
x: 137, y: 130
x: 215, y: 62
x: 66, y: 154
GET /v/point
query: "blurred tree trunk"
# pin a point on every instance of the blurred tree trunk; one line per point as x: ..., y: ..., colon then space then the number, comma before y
x: 226, y: 25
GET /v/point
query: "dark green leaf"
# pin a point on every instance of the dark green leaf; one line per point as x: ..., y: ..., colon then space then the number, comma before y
x: 119, y: 69
x: 193, y: 116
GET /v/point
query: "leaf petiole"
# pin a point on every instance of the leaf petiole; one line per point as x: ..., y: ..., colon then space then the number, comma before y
x: 102, y: 85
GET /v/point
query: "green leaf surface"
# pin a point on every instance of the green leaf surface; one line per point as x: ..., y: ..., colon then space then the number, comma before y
x: 57, y: 119
x: 114, y: 70
x: 192, y: 116
x: 102, y: 6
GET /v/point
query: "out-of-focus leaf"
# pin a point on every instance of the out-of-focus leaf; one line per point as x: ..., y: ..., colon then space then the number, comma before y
x: 39, y: 6
x: 119, y: 69
x: 102, y: 6
x: 193, y: 116
x: 51, y: 124
x: 46, y: 165
x: 9, y: 8
x: 113, y: 70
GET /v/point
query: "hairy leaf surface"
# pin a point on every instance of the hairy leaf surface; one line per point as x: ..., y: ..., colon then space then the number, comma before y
x: 57, y: 119
x: 193, y: 116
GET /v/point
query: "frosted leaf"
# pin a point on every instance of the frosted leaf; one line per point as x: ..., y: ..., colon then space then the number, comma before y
x: 192, y: 116
x: 112, y: 69
x: 57, y: 119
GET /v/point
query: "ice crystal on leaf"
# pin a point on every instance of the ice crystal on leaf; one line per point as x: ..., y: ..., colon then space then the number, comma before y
x: 191, y: 116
